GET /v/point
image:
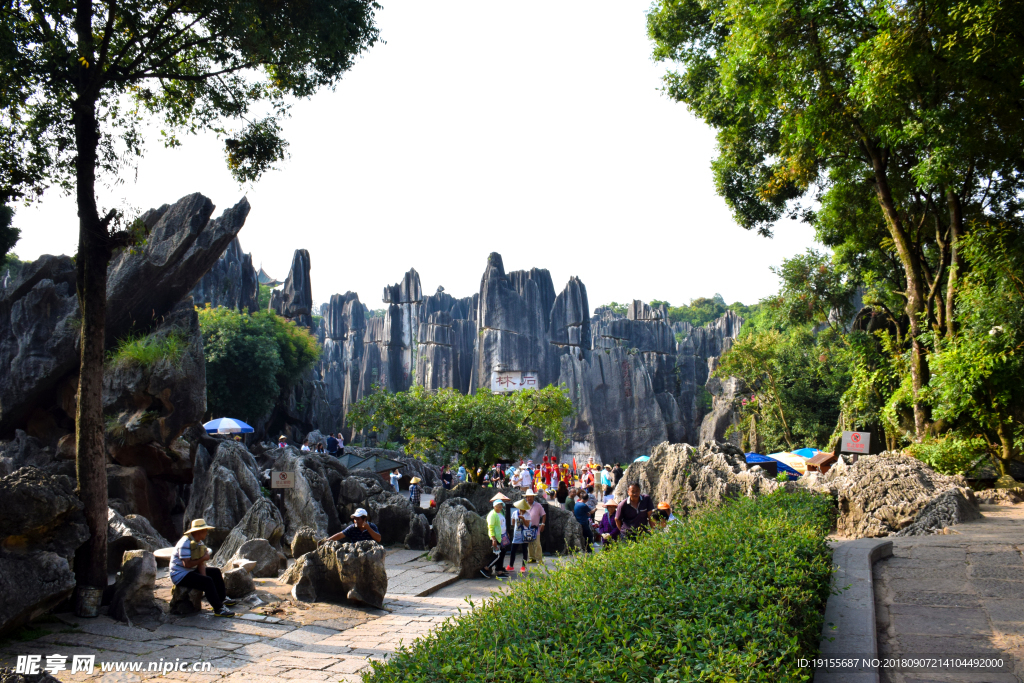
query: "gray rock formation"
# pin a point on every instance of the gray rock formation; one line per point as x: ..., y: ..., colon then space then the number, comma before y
x: 1000, y: 496
x: 39, y: 313
x: 341, y: 571
x: 185, y: 600
x: 462, y: 540
x: 304, y: 541
x: 262, y: 520
x: 41, y: 526
x: 880, y: 495
x: 23, y: 451
x: 8, y: 675
x: 392, y: 513
x: 418, y: 537
x: 562, y: 533
x: 310, y: 502
x: 133, y: 590
x: 477, y: 495
x: 295, y: 300
x: 224, y: 487
x: 269, y: 560
x: 231, y: 282
x: 130, y: 533
x: 690, y: 478
x: 131, y: 492
x: 238, y: 583
x: 725, y: 411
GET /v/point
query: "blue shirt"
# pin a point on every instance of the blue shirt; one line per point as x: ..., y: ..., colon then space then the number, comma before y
x: 354, y: 533
x: 582, y: 513
x: 182, y: 551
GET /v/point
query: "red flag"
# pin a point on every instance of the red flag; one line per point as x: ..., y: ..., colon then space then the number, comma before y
x: 574, y: 465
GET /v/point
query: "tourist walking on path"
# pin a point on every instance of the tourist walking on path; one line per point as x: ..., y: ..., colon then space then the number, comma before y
x: 519, y: 524
x: 414, y: 492
x: 396, y: 476
x: 332, y: 445
x: 189, y: 570
x: 499, y: 539
x: 526, y: 480
x: 538, y: 519
x: 570, y: 500
x: 634, y: 513
x: 616, y: 474
x: 446, y: 477
x: 582, y: 512
x: 607, y: 529
x: 462, y: 474
x: 607, y: 480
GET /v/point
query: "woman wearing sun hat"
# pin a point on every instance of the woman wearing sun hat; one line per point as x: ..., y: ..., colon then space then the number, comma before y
x: 414, y: 492
x: 189, y: 570
x: 519, y: 523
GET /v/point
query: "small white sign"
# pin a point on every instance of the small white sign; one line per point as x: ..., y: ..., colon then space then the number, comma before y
x: 513, y: 380
x: 856, y: 442
x: 282, y: 480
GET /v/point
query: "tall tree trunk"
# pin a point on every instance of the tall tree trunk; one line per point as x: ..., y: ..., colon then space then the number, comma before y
x: 915, y: 284
x: 956, y: 230
x: 91, y: 262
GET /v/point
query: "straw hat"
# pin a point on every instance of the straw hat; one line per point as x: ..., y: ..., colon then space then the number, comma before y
x: 199, y: 525
x: 282, y: 438
x: 500, y: 496
x: 415, y: 480
x: 521, y: 504
x: 611, y: 504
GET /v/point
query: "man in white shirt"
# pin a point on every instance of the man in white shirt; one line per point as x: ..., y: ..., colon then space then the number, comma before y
x: 526, y: 480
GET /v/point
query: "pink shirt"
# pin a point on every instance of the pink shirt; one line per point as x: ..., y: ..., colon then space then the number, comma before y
x: 535, y: 513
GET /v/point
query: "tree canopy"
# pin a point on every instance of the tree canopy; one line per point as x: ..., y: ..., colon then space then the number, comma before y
x: 895, y: 129
x: 476, y: 430
x: 251, y: 360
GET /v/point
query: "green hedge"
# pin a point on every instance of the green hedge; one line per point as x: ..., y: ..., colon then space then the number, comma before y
x: 734, y: 594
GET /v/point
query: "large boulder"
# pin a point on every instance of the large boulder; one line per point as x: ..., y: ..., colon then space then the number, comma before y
x: 238, y: 583
x: 690, y: 478
x: 133, y: 590
x: 185, y: 600
x: 462, y: 540
x: 269, y: 561
x: 303, y: 542
x: 138, y: 494
x: 263, y: 520
x: 225, y: 486
x: 341, y: 571
x: 310, y: 503
x: 130, y: 533
x: 39, y: 312
x: 561, y: 531
x: 880, y: 495
x: 392, y: 513
x: 418, y: 537
x: 41, y: 526
x: 23, y: 451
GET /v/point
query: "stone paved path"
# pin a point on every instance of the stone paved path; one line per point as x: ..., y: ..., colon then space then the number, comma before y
x: 411, y: 573
x: 308, y: 644
x: 955, y: 594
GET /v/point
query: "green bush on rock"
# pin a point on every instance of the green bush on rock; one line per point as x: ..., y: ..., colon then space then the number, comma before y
x: 733, y: 594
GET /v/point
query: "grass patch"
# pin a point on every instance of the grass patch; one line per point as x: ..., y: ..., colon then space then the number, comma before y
x: 146, y: 351
x: 733, y: 594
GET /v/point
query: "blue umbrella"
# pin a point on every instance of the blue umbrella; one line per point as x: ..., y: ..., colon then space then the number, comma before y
x: 227, y: 425
x: 643, y: 458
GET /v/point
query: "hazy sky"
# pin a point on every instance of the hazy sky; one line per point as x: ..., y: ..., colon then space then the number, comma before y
x: 537, y: 130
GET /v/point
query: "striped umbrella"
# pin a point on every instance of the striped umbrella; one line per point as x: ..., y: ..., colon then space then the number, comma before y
x: 227, y: 425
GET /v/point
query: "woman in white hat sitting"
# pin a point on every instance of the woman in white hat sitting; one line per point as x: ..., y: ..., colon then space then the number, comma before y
x: 189, y: 570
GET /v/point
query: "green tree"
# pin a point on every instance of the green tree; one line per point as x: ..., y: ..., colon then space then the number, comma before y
x: 251, y: 360
x: 263, y: 297
x: 977, y: 388
x: 76, y: 82
x: 905, y: 116
x: 476, y: 430
x: 9, y: 235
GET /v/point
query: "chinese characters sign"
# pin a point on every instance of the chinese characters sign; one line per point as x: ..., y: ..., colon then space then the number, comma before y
x: 506, y: 381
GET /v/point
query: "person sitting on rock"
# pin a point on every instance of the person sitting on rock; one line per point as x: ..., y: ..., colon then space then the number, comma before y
x: 414, y: 492
x: 189, y: 570
x: 361, y: 529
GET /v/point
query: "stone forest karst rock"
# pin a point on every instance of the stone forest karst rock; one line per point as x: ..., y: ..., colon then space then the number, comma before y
x: 341, y: 571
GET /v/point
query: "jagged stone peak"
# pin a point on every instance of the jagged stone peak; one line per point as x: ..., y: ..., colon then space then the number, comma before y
x: 407, y: 291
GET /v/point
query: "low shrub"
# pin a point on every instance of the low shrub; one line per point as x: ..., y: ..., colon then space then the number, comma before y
x: 733, y: 594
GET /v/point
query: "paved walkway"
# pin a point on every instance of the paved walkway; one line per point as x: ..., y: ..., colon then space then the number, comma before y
x: 411, y: 573
x: 955, y: 594
x: 318, y: 642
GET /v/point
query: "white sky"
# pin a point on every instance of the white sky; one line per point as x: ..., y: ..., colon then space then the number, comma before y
x: 536, y: 129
